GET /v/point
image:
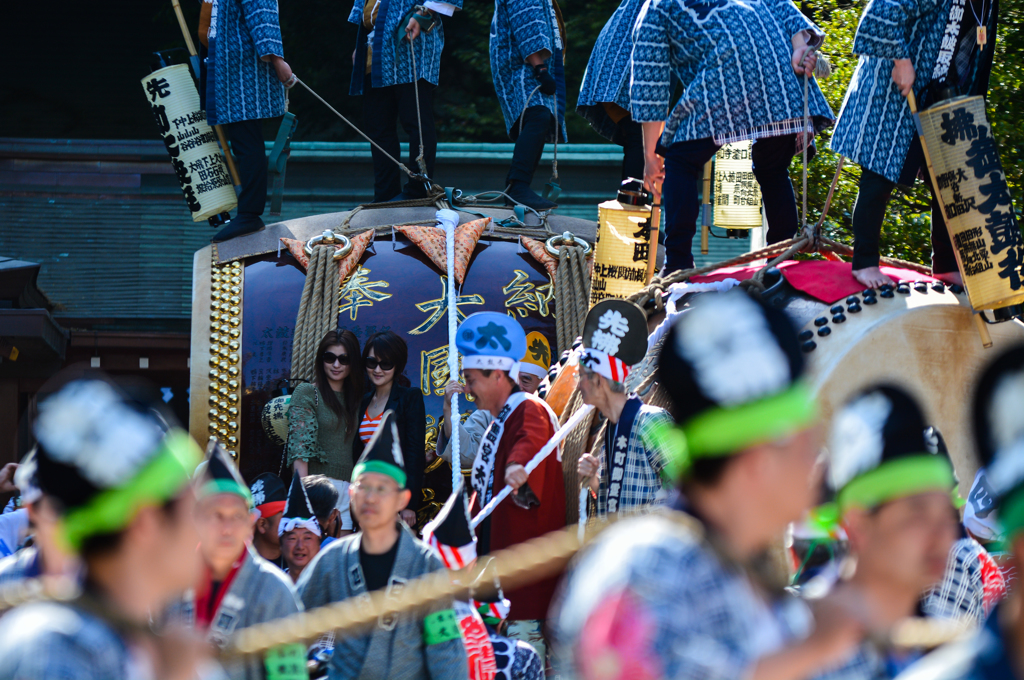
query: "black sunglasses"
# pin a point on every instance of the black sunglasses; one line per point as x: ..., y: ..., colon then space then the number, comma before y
x: 331, y: 357
x: 372, y: 363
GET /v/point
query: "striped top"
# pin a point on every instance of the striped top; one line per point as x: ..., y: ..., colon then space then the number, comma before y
x: 368, y: 426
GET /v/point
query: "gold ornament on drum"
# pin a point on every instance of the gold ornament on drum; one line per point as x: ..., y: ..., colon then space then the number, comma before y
x: 233, y: 371
x: 233, y: 398
x: 213, y: 400
x: 232, y: 426
x: 225, y: 353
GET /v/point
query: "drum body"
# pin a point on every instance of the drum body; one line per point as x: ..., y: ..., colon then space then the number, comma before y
x: 975, y: 200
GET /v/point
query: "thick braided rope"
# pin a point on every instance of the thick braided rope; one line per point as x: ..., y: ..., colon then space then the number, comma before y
x: 317, y: 310
x: 300, y: 323
x: 573, y: 447
x: 453, y: 352
x: 572, y: 295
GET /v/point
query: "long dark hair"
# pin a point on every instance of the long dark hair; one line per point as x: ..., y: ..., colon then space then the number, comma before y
x: 351, y: 387
x: 388, y: 346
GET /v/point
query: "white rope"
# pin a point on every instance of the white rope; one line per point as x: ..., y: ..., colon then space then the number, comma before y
x: 419, y: 122
x: 544, y: 452
x: 450, y: 218
x: 581, y: 527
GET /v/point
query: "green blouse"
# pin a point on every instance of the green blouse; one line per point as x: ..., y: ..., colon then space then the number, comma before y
x: 317, y: 435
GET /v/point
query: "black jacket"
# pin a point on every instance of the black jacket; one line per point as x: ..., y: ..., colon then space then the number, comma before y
x: 411, y: 418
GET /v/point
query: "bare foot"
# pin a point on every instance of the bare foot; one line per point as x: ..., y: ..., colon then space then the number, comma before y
x: 950, y: 278
x: 872, y: 277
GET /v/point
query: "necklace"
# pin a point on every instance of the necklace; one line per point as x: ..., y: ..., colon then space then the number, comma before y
x: 981, y: 21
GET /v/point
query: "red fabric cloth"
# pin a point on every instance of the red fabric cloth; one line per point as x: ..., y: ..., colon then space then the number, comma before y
x: 826, y: 281
x: 207, y: 609
x: 527, y: 429
x: 272, y: 508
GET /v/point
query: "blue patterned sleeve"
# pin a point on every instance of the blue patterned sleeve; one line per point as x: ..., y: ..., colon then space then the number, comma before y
x: 650, y: 88
x: 792, y: 19
x: 885, y: 28
x: 531, y: 26
x: 262, y: 21
x: 356, y: 15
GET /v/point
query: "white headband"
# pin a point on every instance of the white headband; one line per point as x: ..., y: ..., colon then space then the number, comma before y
x: 601, y: 363
x: 290, y: 523
x: 485, y: 362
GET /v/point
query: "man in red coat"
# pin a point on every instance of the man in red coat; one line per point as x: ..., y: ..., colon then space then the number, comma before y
x: 491, y: 345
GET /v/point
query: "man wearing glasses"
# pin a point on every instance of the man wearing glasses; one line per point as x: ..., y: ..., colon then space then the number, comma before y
x: 384, y: 555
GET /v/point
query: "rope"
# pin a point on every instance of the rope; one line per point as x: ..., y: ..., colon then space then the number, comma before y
x: 318, y: 311
x: 420, y: 162
x: 450, y: 218
x: 572, y: 295
x: 572, y: 448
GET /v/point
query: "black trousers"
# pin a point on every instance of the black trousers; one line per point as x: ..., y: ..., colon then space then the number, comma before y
x: 537, y: 126
x: 247, y: 144
x: 870, y: 208
x: 630, y: 136
x: 383, y: 109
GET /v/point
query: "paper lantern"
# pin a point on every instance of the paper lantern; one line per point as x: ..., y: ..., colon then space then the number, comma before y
x: 737, y: 195
x: 975, y: 201
x: 191, y: 143
x: 621, y: 250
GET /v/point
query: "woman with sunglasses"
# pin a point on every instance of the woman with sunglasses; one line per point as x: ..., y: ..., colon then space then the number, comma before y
x: 322, y: 417
x: 384, y: 356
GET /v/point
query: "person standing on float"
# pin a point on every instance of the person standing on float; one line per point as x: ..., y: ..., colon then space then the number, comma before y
x: 741, y: 66
x: 936, y: 48
x: 692, y: 593
x: 527, y: 47
x: 604, y: 93
x: 245, y: 83
x: 628, y: 476
x: 382, y: 71
x: 491, y: 345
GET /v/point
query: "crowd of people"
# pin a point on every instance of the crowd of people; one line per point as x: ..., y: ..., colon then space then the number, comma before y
x: 671, y: 81
x: 174, y: 554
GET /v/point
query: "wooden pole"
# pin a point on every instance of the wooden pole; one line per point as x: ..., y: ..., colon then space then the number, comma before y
x: 221, y: 137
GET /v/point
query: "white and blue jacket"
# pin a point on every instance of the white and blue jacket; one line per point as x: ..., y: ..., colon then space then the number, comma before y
x: 520, y: 28
x: 733, y: 59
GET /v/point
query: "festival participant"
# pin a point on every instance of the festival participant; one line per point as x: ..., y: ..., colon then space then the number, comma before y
x: 491, y: 344
x: 470, y: 432
x: 46, y: 556
x: 690, y: 594
x: 323, y: 498
x: 238, y: 588
x: 384, y: 71
x: 526, y: 47
x: 995, y: 652
x: 937, y: 49
x: 604, y: 93
x: 323, y: 416
x: 534, y: 365
x: 973, y: 583
x: 627, y: 478
x: 299, y: 530
x: 384, y: 555
x: 268, y: 497
x: 118, y: 476
x: 741, y: 66
x: 893, y: 500
x: 246, y: 76
x: 490, y: 654
x: 385, y: 355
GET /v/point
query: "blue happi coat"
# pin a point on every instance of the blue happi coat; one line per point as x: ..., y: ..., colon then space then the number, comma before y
x: 733, y: 60
x: 392, y: 62
x: 239, y: 85
x: 875, y: 127
x: 607, y: 76
x: 520, y: 28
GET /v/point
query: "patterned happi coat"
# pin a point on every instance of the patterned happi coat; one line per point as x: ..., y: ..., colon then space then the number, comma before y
x: 242, y: 86
x: 643, y: 489
x: 518, y: 29
x: 392, y: 63
x: 733, y: 60
x: 607, y: 76
x: 259, y: 592
x: 408, y: 646
x: 875, y: 127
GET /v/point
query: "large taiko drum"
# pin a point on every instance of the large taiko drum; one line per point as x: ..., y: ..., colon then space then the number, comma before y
x: 190, y: 141
x: 246, y: 297
x: 975, y: 201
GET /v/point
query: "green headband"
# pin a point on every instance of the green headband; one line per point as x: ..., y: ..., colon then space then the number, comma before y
x: 896, y: 479
x: 724, y: 431
x: 215, y: 486
x: 159, y: 481
x: 381, y: 468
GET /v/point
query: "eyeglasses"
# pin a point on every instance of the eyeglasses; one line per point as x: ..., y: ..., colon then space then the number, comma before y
x: 331, y: 357
x: 378, y: 491
x: 372, y: 363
